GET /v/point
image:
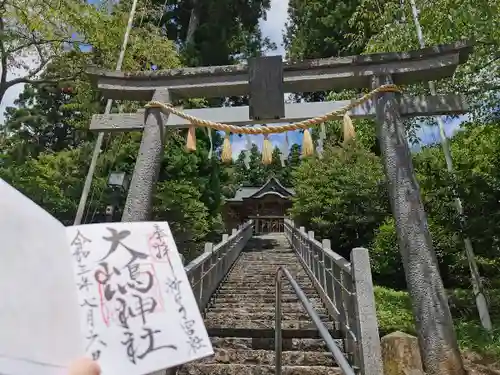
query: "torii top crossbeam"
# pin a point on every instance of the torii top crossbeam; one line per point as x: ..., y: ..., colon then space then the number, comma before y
x: 422, y: 65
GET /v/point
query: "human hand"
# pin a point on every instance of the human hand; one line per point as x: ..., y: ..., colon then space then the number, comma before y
x: 84, y: 366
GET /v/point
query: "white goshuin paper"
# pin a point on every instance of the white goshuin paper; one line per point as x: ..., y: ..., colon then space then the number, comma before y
x: 39, y: 312
x: 48, y: 319
x: 157, y: 280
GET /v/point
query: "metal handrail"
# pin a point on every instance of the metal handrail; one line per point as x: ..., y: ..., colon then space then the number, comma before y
x: 323, y: 331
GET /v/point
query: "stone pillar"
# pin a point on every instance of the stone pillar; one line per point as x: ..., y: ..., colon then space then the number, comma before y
x: 401, y: 355
x: 436, y: 334
x: 147, y: 167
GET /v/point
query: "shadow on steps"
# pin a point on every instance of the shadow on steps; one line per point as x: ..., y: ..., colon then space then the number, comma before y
x: 269, y: 241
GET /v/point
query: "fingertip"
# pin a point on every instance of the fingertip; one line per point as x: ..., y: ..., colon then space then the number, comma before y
x: 84, y: 366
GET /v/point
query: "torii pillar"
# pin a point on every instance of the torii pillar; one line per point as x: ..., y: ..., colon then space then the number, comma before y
x: 147, y: 167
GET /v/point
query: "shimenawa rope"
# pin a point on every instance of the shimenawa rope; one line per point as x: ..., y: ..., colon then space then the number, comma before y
x: 167, y: 108
x: 307, y: 147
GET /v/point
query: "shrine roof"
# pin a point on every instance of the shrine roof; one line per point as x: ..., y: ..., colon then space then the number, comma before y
x: 272, y: 187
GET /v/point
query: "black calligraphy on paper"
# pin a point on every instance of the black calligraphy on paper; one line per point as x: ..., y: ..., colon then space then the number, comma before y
x: 148, y: 336
x: 116, y: 280
x: 116, y: 240
x: 89, y: 303
x: 130, y: 294
x: 159, y: 247
x: 194, y: 342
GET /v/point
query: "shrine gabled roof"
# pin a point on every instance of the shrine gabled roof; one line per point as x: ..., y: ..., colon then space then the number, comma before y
x: 271, y: 187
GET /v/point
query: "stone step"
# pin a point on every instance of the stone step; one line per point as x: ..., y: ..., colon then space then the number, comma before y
x: 254, y: 283
x: 251, y: 314
x: 255, y: 269
x: 231, y: 327
x: 270, y: 255
x: 267, y: 260
x: 264, y: 298
x: 286, y: 306
x: 242, y: 369
x: 268, y: 295
x: 247, y: 282
x: 270, y: 264
x: 268, y: 357
x: 278, y: 252
x: 257, y: 343
x: 252, y: 278
x: 255, y: 276
x: 263, y: 289
x: 273, y: 249
x: 268, y: 283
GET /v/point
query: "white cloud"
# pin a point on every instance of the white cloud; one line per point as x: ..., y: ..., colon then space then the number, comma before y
x: 274, y: 26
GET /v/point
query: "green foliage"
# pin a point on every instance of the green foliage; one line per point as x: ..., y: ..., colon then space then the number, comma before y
x: 216, y: 32
x: 53, y: 180
x: 180, y: 203
x: 393, y: 311
x: 443, y: 21
x: 394, y: 314
x: 341, y: 197
x: 476, y: 157
x: 386, y: 259
x: 318, y: 28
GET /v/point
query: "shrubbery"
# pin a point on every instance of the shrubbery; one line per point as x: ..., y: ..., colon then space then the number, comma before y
x: 344, y: 197
x: 394, y: 314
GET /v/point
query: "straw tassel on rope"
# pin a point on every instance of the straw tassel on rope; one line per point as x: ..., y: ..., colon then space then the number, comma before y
x: 227, y: 153
x: 349, y: 132
x: 267, y: 151
x: 307, y: 144
x: 191, y: 139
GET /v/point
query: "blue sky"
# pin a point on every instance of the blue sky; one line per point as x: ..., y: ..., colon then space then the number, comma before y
x: 272, y: 28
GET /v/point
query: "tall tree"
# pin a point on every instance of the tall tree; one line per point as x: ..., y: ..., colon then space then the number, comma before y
x: 443, y: 21
x: 320, y: 29
x: 215, y: 32
x: 342, y: 196
x: 32, y: 32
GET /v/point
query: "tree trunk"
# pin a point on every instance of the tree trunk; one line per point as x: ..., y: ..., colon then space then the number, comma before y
x: 2, y: 94
x: 194, y: 21
x: 436, y: 334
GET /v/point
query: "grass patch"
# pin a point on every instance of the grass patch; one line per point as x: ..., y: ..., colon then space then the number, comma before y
x: 394, y: 314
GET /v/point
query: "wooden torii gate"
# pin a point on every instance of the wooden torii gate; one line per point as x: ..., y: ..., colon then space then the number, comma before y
x: 266, y: 80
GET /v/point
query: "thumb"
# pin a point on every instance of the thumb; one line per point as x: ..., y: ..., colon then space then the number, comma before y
x: 84, y: 366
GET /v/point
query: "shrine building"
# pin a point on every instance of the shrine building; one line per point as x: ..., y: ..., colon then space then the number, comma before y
x: 267, y: 205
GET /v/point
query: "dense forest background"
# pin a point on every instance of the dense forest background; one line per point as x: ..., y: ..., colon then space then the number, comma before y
x: 45, y: 145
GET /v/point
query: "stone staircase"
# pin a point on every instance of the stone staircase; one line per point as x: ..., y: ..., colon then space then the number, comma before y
x: 240, y: 318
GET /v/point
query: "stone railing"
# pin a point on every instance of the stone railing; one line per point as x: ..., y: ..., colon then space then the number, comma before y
x: 346, y: 290
x: 207, y: 271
